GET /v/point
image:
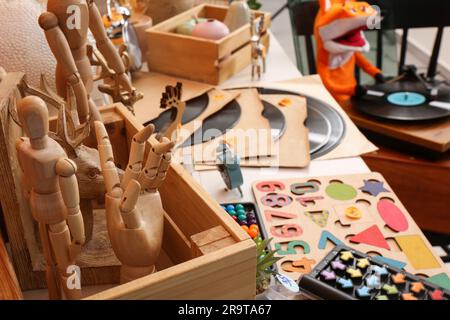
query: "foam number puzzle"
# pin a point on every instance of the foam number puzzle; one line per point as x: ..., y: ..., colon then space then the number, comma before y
x: 307, y: 217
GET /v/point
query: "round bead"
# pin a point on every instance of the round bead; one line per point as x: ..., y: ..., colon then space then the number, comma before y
x: 239, y: 207
x: 240, y: 211
x: 235, y: 218
x: 243, y: 222
x: 254, y: 226
x: 232, y: 213
x: 242, y: 217
x: 252, y: 221
x: 230, y: 207
x: 244, y: 227
x: 252, y: 233
x: 251, y: 216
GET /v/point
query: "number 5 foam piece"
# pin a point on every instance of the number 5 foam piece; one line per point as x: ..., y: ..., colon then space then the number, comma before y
x: 417, y: 252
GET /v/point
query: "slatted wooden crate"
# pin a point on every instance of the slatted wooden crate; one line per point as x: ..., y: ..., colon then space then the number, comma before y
x: 182, y: 272
x: 199, y: 59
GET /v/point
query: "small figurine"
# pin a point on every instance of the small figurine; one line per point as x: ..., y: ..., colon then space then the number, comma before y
x: 340, y: 42
x: 172, y: 99
x: 258, y: 49
x: 66, y: 25
x: 50, y: 185
x: 229, y: 167
x: 134, y: 212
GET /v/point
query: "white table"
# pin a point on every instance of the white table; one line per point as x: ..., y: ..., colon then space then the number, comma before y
x: 279, y: 68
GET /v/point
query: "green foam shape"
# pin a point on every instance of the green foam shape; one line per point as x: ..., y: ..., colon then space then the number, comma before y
x: 441, y: 280
x: 341, y: 191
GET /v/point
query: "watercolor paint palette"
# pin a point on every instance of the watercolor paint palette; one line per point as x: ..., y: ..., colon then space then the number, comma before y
x: 349, y: 274
x: 307, y: 217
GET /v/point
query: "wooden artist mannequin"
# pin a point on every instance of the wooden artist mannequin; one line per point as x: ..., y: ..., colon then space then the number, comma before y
x: 50, y: 184
x: 134, y: 212
x: 66, y: 25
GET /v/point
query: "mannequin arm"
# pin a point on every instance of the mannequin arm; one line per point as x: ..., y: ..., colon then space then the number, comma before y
x: 66, y: 169
x: 106, y: 47
x: 61, y: 50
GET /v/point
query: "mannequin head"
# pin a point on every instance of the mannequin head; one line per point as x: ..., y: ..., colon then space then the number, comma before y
x: 33, y: 116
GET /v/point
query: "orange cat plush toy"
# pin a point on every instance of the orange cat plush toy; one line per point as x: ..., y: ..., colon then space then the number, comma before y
x: 340, y: 42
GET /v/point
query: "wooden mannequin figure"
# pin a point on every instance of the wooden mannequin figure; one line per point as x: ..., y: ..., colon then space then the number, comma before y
x: 50, y: 185
x: 66, y: 25
x: 257, y: 48
x: 134, y: 212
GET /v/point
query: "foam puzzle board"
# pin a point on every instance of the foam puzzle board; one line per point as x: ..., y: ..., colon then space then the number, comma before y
x: 307, y: 217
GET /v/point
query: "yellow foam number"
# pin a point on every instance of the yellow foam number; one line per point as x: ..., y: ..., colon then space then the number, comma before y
x: 417, y: 252
x: 353, y: 213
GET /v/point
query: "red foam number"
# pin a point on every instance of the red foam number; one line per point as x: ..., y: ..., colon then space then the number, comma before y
x: 285, y: 215
x: 286, y: 231
x: 270, y: 186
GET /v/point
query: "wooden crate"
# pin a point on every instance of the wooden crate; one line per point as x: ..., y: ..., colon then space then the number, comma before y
x: 199, y: 59
x: 183, y: 273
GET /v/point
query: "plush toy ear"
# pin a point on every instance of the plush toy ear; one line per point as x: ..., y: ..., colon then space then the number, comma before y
x: 325, y: 4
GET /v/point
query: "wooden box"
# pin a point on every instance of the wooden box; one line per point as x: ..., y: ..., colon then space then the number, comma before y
x: 184, y: 272
x: 199, y: 59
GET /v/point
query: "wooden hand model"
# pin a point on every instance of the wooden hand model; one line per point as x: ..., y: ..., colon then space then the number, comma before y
x: 134, y: 212
x: 66, y: 25
x: 50, y: 185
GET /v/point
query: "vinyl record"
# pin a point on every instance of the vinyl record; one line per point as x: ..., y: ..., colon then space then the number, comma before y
x: 404, y: 101
x: 215, y: 125
x: 325, y: 124
x: 194, y: 108
x: 276, y: 119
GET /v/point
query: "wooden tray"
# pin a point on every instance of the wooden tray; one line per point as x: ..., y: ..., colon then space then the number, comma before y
x: 199, y: 59
x: 230, y: 262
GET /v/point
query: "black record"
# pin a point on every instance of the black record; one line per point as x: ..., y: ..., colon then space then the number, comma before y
x: 404, y: 101
x: 194, y: 108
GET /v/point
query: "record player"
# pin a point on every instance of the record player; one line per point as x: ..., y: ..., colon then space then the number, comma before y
x: 411, y: 108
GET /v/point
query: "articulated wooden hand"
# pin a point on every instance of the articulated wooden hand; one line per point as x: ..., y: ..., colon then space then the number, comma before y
x: 134, y: 212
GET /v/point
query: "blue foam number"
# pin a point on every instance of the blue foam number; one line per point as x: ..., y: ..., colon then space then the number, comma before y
x: 291, y: 247
x: 326, y: 235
